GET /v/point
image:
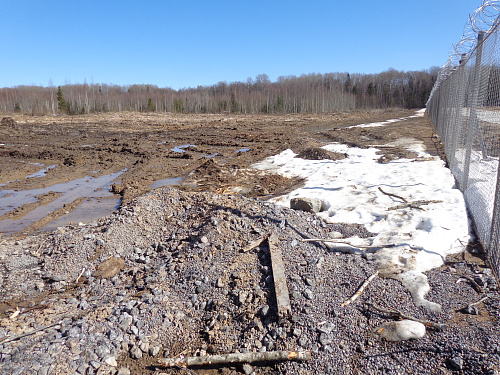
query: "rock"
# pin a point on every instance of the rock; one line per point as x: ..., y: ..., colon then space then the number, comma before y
x: 110, y: 267
x: 312, y: 205
x: 123, y: 371
x: 308, y: 294
x: 470, y: 310
x: 247, y: 369
x: 326, y: 328
x: 297, y: 332
x: 144, y: 347
x: 324, y: 339
x: 302, y: 342
x: 111, y: 361
x: 154, y: 350
x: 456, y: 363
x: 401, y: 330
x: 135, y: 352
x: 219, y: 283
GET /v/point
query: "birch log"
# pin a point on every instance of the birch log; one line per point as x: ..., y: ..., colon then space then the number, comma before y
x: 221, y: 359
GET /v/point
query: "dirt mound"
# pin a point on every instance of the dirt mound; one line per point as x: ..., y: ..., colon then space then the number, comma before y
x: 316, y: 153
x: 8, y: 122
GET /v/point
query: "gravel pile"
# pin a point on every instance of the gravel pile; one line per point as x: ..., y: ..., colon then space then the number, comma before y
x: 167, y: 276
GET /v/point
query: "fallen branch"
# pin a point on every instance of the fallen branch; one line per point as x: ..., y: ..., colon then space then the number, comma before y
x: 392, y: 195
x: 467, y: 309
x: 415, y: 204
x: 80, y: 275
x: 478, y: 302
x: 475, y: 285
x: 222, y: 359
x: 399, y: 315
x: 280, y: 287
x: 360, y: 290
x: 254, y: 244
x: 333, y: 240
x: 7, y: 339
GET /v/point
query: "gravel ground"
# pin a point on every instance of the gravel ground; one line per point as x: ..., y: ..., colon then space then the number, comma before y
x: 167, y: 276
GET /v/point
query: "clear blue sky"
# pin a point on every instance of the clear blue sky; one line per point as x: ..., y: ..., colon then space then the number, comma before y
x: 186, y: 43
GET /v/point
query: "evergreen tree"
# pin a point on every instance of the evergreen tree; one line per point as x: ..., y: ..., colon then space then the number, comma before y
x: 62, y: 105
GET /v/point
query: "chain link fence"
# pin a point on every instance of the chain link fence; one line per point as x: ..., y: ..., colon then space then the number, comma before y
x: 464, y: 107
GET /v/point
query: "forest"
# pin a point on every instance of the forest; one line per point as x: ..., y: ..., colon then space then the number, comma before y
x: 307, y: 93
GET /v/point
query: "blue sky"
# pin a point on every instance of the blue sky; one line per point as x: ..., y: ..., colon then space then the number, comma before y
x: 186, y: 43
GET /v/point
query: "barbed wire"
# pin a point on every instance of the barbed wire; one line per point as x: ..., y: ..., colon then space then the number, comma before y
x: 485, y: 19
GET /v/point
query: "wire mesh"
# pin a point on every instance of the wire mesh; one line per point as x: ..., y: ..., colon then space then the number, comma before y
x: 464, y: 107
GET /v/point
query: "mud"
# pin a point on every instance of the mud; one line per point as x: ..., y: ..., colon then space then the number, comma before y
x: 146, y: 151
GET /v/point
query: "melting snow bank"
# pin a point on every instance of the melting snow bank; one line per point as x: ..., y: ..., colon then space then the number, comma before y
x: 419, y: 113
x: 408, y: 241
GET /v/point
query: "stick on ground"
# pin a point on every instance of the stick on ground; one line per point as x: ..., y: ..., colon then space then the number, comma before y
x: 42, y: 328
x: 360, y: 290
x: 254, y: 244
x: 222, y: 359
x: 392, y: 195
x: 399, y: 315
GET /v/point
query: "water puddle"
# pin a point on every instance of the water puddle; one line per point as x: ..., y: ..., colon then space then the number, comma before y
x: 166, y: 182
x: 181, y: 148
x: 88, y: 211
x: 40, y: 173
x: 91, y: 187
x: 243, y: 150
x: 211, y: 156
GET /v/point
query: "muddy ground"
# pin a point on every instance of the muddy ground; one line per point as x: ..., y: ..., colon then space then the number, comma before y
x: 209, y: 153
x: 171, y: 272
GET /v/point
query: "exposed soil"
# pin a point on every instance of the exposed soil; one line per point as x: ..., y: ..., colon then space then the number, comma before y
x: 209, y: 152
x: 167, y: 274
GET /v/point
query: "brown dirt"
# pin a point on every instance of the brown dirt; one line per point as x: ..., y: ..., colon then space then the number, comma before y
x: 218, y: 152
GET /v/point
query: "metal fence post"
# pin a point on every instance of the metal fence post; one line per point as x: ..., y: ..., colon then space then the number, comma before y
x: 493, y: 245
x: 457, y: 118
x: 474, y: 103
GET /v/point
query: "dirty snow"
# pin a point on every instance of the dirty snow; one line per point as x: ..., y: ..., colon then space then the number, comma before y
x: 409, y: 241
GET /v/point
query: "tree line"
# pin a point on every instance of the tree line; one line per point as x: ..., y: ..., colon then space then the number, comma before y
x: 308, y: 93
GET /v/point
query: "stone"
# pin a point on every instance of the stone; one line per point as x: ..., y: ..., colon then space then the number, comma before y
x: 308, y: 294
x: 247, y: 369
x: 111, y: 361
x: 324, y: 339
x: 123, y: 371
x: 135, y: 352
x: 313, y: 205
x: 401, y: 330
x: 144, y: 347
x: 456, y: 363
x: 302, y: 341
x: 326, y: 328
x: 110, y: 267
x: 154, y: 350
x: 264, y: 310
x: 297, y: 332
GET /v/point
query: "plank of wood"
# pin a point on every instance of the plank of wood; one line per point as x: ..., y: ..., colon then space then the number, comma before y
x: 280, y: 286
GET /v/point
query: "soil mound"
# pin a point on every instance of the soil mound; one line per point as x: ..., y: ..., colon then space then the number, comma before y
x: 316, y: 153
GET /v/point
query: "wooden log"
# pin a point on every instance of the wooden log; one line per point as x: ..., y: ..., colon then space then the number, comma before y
x: 280, y: 286
x: 222, y: 359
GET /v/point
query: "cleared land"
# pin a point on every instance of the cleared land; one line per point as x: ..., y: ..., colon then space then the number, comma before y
x: 187, y: 271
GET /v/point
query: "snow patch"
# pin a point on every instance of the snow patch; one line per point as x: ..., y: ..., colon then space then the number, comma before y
x: 412, y: 241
